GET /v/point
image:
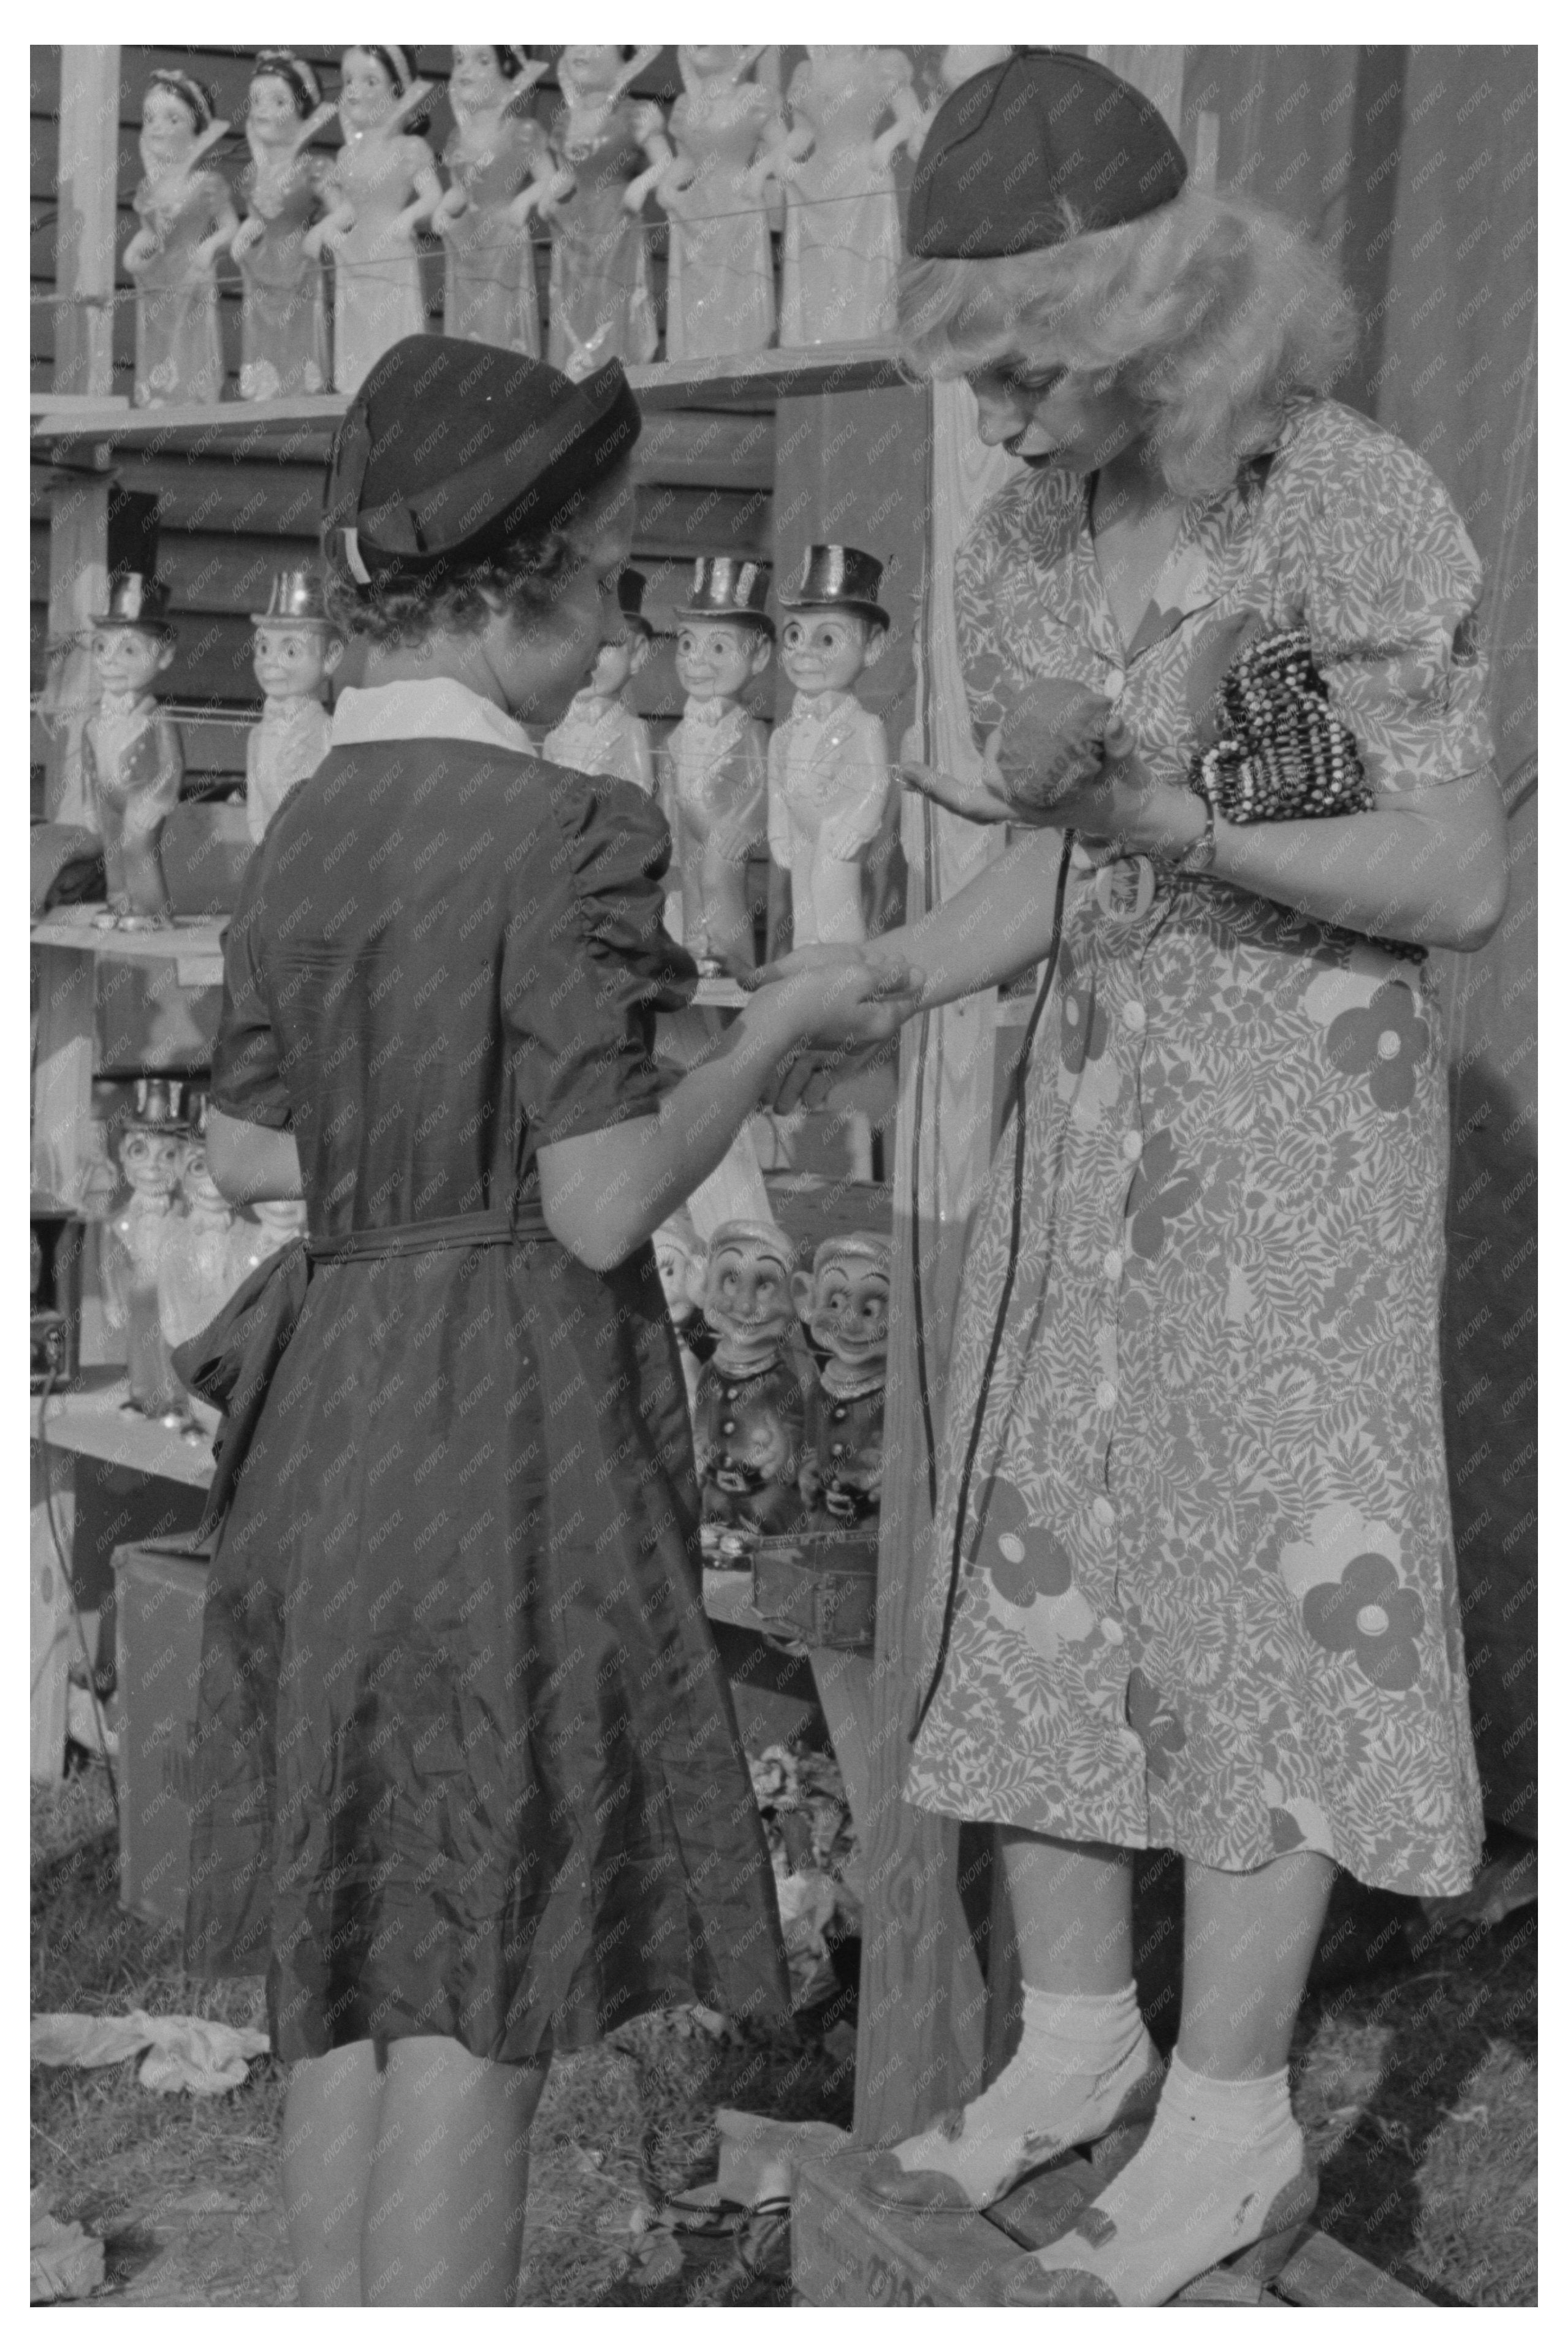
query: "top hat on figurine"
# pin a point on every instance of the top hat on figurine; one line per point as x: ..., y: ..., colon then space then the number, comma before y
x: 159, y: 1106
x: 136, y: 600
x: 451, y: 451
x: 728, y: 588
x: 1042, y: 147
x: 295, y: 596
x: 845, y: 576
x: 629, y: 588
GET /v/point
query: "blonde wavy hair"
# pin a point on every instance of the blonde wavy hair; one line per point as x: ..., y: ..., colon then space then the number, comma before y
x: 1210, y: 312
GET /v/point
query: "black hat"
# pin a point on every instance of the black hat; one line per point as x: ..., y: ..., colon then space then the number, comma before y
x: 845, y: 576
x: 728, y: 588
x: 450, y: 449
x: 136, y: 600
x: 629, y: 588
x: 1011, y: 145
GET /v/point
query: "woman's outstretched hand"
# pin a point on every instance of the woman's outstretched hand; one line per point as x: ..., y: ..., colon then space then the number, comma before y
x: 980, y: 801
x: 838, y: 995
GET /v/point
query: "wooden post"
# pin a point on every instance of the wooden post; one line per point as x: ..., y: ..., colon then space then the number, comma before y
x: 922, y: 2000
x: 84, y: 364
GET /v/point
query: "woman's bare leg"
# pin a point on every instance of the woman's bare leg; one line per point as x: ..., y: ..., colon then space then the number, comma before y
x: 443, y: 2220
x: 1249, y: 1942
x: 1072, y: 1912
x: 330, y: 2121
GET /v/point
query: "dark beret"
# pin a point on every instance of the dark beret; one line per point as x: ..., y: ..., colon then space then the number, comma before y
x: 451, y: 449
x: 1011, y: 145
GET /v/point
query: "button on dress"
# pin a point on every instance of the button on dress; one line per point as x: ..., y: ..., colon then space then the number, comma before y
x: 1210, y: 1507
x: 467, y: 1762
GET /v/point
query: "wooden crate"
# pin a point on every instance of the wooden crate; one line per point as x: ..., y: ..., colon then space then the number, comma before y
x: 847, y: 2249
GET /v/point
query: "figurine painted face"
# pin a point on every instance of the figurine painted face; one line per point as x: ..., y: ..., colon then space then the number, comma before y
x: 843, y: 1300
x: 591, y: 67
x: 682, y: 1268
x: 478, y: 79
x: 273, y: 109
x: 746, y: 1296
x: 823, y: 649
x: 368, y: 96
x: 196, y: 1180
x: 169, y: 126
x: 293, y: 657
x: 151, y: 1161
x: 620, y: 658
x: 126, y: 660
x: 715, y: 658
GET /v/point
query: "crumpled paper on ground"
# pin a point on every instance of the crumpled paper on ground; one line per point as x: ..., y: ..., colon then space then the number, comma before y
x: 184, y: 2053
x: 65, y: 2261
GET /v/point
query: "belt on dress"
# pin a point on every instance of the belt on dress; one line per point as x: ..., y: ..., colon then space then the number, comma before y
x: 483, y: 1229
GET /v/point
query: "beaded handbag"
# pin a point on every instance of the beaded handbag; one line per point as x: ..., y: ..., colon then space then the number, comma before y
x: 1275, y: 747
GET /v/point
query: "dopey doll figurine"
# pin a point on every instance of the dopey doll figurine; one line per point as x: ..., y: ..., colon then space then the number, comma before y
x: 187, y: 218
x: 750, y: 1419
x: 382, y: 186
x: 297, y: 650
x: 683, y: 1261
x: 599, y: 735
x: 719, y: 756
x: 828, y: 776
x: 132, y: 761
x: 843, y: 1302
x: 151, y: 1152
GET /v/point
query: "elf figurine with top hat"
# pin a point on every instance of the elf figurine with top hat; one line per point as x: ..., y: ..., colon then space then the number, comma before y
x: 152, y: 1146
x: 297, y: 650
x: 132, y: 760
x: 599, y: 735
x: 828, y: 777
x: 719, y: 756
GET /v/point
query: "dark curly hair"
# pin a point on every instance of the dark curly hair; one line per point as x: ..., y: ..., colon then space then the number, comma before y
x: 523, y: 579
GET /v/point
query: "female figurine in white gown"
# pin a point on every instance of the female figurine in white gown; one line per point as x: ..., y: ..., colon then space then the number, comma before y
x: 842, y: 244
x: 382, y: 186
x: 606, y: 157
x: 187, y: 218
x: 282, y: 323
x: 491, y: 156
x: 720, y: 290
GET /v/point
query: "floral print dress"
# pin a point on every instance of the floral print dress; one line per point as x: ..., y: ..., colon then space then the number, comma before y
x: 1205, y: 1597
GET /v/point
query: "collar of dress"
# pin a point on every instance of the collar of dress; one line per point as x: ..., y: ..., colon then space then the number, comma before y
x: 413, y: 707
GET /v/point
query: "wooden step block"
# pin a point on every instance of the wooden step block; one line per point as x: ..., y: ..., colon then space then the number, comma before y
x: 850, y: 2250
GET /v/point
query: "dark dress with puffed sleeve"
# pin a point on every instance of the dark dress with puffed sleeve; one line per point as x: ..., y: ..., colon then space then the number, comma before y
x: 467, y: 1762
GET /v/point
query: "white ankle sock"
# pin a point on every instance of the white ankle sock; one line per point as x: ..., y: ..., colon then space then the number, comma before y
x: 1077, y: 2057
x: 1199, y: 2189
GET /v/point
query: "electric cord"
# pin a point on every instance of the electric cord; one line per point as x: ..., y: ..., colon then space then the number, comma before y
x: 64, y: 1570
x: 1013, y: 1107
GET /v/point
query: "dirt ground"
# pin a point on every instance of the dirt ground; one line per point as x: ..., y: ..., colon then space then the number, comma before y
x: 1415, y: 2080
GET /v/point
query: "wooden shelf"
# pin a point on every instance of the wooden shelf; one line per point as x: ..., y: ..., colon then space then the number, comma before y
x: 292, y: 429
x: 90, y: 1420
x: 195, y: 948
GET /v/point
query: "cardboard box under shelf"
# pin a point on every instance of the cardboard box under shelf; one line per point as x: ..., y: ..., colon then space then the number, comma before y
x: 160, y: 1593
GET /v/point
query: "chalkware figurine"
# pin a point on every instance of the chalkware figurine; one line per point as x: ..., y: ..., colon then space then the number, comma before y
x: 381, y: 187
x: 843, y: 1301
x: 187, y: 218
x: 151, y: 1152
x: 717, y: 758
x: 277, y: 1224
x: 198, y: 1265
x: 606, y: 156
x: 132, y: 761
x: 599, y: 736
x: 828, y: 777
x: 282, y: 322
x: 750, y: 1416
x: 492, y: 157
x: 297, y: 650
x: 842, y: 244
x: 683, y: 1261
x: 720, y: 290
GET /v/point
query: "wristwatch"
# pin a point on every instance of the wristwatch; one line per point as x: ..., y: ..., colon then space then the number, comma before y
x: 1199, y: 855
